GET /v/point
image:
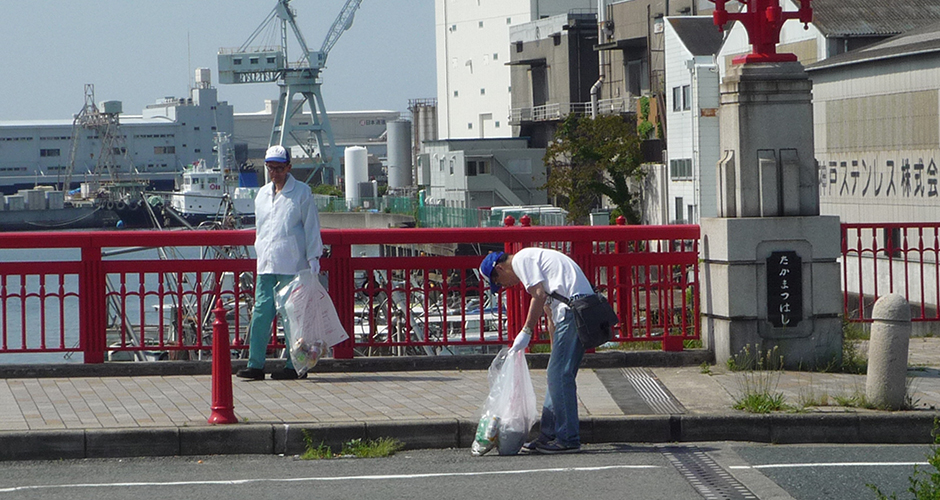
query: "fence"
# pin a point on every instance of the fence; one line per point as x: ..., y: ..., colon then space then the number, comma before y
x: 150, y: 294
x: 883, y: 258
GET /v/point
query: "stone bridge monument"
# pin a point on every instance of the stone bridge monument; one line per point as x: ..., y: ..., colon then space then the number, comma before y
x: 771, y: 274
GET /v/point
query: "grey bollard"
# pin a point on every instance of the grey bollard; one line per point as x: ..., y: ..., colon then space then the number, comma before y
x: 887, y: 352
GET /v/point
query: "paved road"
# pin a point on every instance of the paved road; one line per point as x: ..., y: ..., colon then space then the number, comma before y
x: 611, y: 471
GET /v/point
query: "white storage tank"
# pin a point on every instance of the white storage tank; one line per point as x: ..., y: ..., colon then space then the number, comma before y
x: 16, y: 202
x: 203, y: 76
x: 356, y: 171
x: 399, y: 154
x: 35, y: 199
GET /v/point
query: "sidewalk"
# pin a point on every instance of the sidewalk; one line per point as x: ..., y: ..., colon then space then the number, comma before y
x: 153, y: 409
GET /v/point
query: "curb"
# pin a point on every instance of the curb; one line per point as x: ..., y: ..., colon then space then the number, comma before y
x: 607, y: 359
x: 289, y: 439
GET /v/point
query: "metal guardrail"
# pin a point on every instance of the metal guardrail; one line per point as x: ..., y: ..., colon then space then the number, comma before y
x: 92, y: 293
x: 883, y: 258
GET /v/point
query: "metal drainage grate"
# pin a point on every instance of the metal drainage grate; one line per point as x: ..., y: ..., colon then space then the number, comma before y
x: 705, y: 475
x: 652, y: 391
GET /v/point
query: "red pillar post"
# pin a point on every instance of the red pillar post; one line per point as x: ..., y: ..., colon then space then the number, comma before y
x: 222, y: 400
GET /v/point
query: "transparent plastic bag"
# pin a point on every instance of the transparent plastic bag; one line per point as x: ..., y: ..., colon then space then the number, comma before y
x: 313, y: 323
x: 509, y: 411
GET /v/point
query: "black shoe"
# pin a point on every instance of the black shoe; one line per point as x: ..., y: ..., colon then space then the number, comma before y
x: 250, y: 373
x: 554, y: 447
x: 287, y: 374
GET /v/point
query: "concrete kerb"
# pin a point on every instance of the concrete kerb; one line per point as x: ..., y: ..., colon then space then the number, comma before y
x: 606, y: 359
x: 288, y: 439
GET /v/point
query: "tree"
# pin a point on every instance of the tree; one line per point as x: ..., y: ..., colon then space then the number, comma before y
x: 591, y: 158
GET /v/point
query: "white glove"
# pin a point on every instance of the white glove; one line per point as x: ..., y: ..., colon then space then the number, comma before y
x: 522, y: 341
x: 314, y: 265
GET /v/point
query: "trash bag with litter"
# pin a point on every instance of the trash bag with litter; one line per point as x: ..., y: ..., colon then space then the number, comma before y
x: 313, y: 323
x: 509, y: 411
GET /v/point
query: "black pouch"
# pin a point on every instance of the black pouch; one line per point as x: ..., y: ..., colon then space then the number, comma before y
x: 594, y: 318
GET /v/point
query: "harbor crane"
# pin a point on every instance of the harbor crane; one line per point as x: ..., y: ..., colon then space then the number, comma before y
x: 269, y: 63
x: 105, y: 123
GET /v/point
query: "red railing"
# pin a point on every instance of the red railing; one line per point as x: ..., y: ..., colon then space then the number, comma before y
x: 397, y: 291
x: 883, y: 258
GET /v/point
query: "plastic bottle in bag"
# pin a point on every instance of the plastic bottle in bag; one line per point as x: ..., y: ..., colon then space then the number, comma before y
x: 307, y: 355
x: 487, y: 435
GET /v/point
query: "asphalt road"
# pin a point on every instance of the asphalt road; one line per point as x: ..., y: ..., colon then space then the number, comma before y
x: 617, y: 471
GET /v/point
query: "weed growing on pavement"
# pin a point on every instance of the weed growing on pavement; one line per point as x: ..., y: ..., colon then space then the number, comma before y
x: 378, y: 448
x: 853, y: 359
x: 924, y: 485
x: 758, y: 377
x: 705, y: 368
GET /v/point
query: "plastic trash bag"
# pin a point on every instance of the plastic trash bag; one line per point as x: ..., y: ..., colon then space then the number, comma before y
x: 509, y: 411
x: 313, y: 323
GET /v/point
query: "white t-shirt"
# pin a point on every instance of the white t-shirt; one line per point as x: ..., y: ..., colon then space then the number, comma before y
x: 287, y: 231
x: 555, y: 272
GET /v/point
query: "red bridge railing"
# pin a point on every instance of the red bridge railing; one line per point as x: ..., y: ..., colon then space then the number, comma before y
x: 150, y: 294
x: 883, y: 258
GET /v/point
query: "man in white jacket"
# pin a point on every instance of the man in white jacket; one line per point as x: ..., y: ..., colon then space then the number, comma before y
x: 287, y: 241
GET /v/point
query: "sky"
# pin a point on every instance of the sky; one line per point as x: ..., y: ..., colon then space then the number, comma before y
x: 139, y: 51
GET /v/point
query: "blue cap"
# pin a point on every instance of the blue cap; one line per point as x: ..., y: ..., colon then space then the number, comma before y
x: 486, y: 269
x: 277, y: 154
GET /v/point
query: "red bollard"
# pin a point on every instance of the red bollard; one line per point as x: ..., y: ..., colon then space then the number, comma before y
x: 509, y: 221
x: 621, y: 220
x: 222, y: 405
x: 525, y: 220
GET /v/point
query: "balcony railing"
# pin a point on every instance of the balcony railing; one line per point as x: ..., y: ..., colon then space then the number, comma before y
x: 558, y: 111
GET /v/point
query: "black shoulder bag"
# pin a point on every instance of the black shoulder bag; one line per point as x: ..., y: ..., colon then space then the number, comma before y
x: 594, y: 318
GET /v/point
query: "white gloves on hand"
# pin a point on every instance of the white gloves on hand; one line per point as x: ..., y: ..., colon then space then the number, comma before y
x: 314, y: 265
x: 521, y: 342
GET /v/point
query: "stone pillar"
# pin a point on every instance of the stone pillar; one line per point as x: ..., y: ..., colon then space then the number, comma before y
x: 885, y: 386
x: 771, y: 273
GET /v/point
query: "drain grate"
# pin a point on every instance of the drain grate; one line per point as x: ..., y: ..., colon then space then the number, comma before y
x: 652, y: 391
x: 705, y: 475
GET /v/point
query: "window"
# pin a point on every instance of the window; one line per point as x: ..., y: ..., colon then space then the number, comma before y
x: 497, y: 124
x: 456, y: 93
x: 45, y: 153
x: 481, y: 24
x: 686, y: 97
x: 680, y: 169
x: 677, y: 99
x: 441, y: 168
x: 496, y: 56
x: 164, y: 150
x: 270, y: 60
x: 482, y: 91
x: 690, y: 210
x: 508, y: 20
x: 679, y: 206
x: 253, y: 60
x: 237, y: 61
x: 451, y: 166
x: 469, y: 125
x: 471, y: 168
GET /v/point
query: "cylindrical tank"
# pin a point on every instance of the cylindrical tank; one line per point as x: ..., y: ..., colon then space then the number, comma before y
x: 203, y: 75
x: 425, y: 116
x: 399, y: 154
x: 356, y: 171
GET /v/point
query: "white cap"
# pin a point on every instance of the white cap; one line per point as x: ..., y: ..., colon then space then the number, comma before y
x: 278, y: 154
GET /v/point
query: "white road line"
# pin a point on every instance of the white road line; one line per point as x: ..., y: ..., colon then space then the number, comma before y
x: 314, y: 479
x: 829, y: 464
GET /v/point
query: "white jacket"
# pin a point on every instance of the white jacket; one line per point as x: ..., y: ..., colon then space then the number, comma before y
x: 287, y: 235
